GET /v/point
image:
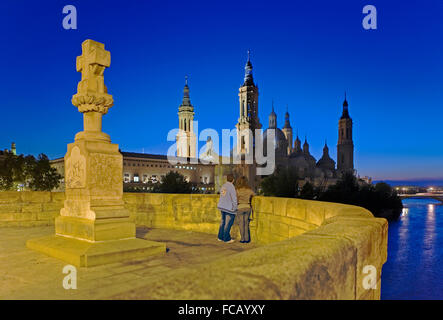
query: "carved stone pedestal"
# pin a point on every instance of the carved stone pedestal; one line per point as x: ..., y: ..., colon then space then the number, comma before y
x: 94, y: 227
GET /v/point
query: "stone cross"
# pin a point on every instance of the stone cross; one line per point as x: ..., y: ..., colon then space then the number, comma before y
x: 92, y: 64
x: 92, y: 94
x: 92, y: 98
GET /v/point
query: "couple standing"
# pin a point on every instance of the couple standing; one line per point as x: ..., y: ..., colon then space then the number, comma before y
x: 235, y: 203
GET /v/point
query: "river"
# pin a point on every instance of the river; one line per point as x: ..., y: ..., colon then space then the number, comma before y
x: 414, y: 269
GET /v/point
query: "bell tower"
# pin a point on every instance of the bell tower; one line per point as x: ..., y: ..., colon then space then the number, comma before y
x: 345, y: 146
x: 186, y: 139
x: 287, y: 130
x: 248, y: 120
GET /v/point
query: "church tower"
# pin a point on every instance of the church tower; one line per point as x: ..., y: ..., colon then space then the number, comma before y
x: 186, y: 139
x: 287, y: 130
x: 345, y: 146
x: 272, y: 118
x: 248, y: 120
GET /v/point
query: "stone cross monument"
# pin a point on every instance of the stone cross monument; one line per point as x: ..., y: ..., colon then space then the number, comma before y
x: 94, y: 227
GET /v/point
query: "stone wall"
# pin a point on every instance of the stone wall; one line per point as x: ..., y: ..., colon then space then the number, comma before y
x: 310, y: 249
x: 29, y: 208
x: 274, y: 219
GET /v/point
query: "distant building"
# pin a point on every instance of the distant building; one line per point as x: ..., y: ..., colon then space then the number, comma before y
x: 4, y: 152
x: 139, y: 169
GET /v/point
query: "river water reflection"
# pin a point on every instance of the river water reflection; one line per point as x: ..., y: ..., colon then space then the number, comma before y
x: 414, y: 269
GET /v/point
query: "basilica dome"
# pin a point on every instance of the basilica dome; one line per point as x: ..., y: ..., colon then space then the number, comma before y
x: 280, y: 142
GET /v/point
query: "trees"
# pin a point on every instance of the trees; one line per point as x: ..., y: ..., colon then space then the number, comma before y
x: 282, y: 183
x: 173, y: 182
x: 380, y: 199
x: 308, y: 191
x: 27, y: 172
x: 43, y: 176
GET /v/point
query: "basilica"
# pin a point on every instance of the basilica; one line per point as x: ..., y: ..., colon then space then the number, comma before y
x: 289, y: 152
x: 207, y: 171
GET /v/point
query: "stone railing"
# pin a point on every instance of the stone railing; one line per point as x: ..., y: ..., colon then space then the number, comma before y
x: 29, y: 208
x: 307, y: 249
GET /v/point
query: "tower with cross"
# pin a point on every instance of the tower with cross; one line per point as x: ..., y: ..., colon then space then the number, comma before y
x: 186, y: 138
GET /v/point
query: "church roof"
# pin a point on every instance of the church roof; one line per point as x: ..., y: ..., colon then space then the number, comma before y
x: 325, y: 161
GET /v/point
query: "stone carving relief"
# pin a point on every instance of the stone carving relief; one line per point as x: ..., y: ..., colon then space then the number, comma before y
x: 76, y: 169
x: 107, y: 174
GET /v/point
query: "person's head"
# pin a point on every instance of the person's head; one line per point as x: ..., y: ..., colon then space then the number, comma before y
x: 230, y: 178
x: 242, y: 182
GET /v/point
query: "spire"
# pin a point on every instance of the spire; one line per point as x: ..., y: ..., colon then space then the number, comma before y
x: 326, y: 149
x: 306, y: 146
x: 248, y: 72
x: 345, y: 114
x: 186, y: 99
x: 272, y: 118
x: 297, y: 144
x: 325, y: 162
x: 287, y: 123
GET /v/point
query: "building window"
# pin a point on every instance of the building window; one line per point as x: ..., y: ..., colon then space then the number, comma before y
x: 136, y: 178
x: 126, y: 178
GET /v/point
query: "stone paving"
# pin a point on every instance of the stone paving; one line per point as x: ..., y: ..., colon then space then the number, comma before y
x: 26, y: 274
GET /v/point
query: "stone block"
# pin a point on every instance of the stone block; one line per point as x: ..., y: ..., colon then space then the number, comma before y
x: 295, y: 231
x: 20, y: 216
x: 7, y: 216
x: 263, y: 204
x: 154, y: 199
x: 36, y: 196
x: 10, y: 197
x: 58, y: 197
x: 10, y: 207
x: 315, y: 213
x: 88, y: 254
x: 52, y: 206
x: 47, y: 215
x: 32, y: 207
x: 302, y: 224
x: 296, y: 208
x: 133, y: 198
x: 280, y: 205
x: 95, y: 230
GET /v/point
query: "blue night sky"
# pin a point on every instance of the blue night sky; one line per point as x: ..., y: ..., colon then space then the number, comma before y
x: 305, y: 54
